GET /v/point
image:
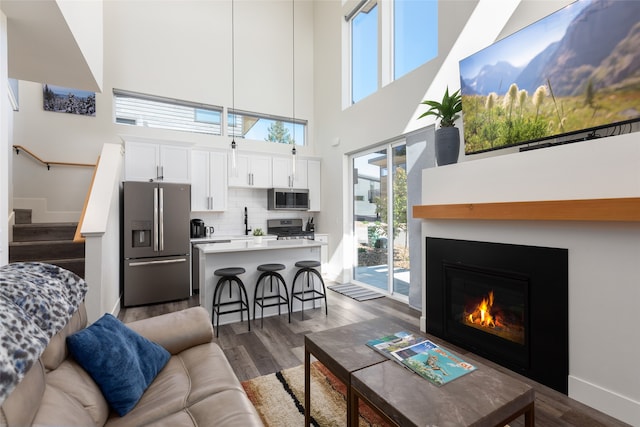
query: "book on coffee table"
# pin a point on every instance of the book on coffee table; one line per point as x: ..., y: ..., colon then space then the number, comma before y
x: 422, y: 356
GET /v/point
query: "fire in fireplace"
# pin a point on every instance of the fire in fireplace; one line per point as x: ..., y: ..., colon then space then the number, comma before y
x: 508, y: 303
x: 494, y: 319
x: 503, y: 316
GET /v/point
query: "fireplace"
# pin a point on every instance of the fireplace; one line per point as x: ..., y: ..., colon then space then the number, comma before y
x: 507, y: 303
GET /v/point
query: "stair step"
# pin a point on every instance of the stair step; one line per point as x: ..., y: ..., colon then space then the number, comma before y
x: 53, y: 249
x: 44, y: 231
x: 22, y: 216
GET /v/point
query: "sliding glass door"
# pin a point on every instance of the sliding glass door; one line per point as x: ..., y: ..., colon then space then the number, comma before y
x: 381, y: 252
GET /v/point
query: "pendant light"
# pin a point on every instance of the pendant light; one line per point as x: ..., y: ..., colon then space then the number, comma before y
x: 234, y: 148
x: 293, y: 79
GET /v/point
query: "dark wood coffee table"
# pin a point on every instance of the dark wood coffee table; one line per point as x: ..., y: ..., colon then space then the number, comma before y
x: 484, y: 397
x: 343, y: 351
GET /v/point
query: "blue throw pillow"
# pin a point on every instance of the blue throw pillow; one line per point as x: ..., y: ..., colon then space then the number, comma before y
x: 122, y: 362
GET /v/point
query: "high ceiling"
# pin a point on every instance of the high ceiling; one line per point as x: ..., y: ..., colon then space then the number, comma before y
x: 50, y: 42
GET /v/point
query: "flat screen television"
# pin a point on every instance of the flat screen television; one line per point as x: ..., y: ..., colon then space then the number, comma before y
x: 576, y: 71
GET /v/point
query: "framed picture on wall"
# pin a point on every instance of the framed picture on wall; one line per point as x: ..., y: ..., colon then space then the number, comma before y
x: 65, y: 100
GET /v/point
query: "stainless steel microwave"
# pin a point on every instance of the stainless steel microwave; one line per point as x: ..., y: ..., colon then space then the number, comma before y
x: 288, y: 199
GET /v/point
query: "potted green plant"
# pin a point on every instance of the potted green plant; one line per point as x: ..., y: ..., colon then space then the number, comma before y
x: 257, y: 236
x: 448, y: 135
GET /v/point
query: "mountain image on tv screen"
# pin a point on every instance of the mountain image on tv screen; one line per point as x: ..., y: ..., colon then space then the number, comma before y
x: 577, y: 70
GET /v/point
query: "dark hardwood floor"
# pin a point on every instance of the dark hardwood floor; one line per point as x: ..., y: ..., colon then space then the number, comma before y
x: 280, y: 345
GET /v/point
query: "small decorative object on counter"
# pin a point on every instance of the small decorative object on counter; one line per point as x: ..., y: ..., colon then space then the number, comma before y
x: 257, y: 236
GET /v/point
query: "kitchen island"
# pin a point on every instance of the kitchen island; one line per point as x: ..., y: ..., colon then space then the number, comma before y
x: 250, y: 255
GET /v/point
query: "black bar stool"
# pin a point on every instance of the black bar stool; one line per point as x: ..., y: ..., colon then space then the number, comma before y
x: 307, y: 269
x: 270, y: 272
x: 229, y: 276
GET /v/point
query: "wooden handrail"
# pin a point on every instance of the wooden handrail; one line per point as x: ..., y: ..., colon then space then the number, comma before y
x: 77, y: 237
x: 47, y: 163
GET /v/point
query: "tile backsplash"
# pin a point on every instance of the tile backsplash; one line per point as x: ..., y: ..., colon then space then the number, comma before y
x: 231, y: 222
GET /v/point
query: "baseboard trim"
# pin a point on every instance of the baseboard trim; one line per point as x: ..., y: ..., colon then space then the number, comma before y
x: 607, y: 401
x: 115, y: 311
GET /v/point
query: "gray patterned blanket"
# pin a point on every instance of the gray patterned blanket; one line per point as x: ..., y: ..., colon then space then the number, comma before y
x: 36, y: 302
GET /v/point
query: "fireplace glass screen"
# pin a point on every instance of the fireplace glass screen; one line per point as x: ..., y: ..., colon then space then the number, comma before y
x: 488, y: 308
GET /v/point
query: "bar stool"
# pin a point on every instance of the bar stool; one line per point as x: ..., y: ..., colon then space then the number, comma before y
x: 270, y: 272
x: 229, y: 276
x: 307, y: 269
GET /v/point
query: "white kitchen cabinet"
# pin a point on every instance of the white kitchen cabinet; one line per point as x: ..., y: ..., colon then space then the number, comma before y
x: 283, y: 176
x: 208, y: 180
x: 252, y: 171
x: 313, y: 184
x: 144, y: 161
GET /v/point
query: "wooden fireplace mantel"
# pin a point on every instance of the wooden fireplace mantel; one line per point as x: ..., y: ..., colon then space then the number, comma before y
x: 619, y: 209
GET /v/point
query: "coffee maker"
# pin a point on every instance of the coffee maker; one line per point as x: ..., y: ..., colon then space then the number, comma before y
x: 198, y: 230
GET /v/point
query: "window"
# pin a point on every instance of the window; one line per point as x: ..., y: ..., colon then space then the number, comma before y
x: 364, y: 53
x: 388, y: 39
x: 415, y: 35
x: 156, y: 112
x: 262, y: 127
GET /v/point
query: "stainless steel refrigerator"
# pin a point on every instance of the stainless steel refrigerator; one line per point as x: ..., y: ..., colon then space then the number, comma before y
x: 156, y: 242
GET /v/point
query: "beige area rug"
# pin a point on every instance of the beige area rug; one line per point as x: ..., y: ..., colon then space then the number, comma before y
x: 279, y: 399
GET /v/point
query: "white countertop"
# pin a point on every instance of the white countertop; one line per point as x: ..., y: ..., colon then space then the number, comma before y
x: 245, y: 246
x: 223, y: 237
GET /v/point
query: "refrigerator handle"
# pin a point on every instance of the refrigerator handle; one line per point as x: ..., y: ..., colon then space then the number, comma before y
x: 166, y: 261
x: 161, y: 208
x: 155, y: 219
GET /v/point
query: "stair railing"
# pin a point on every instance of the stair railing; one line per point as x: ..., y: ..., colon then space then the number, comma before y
x: 47, y: 163
x: 77, y: 237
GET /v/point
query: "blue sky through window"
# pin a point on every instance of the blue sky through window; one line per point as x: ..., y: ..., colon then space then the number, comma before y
x: 415, y: 34
x: 364, y: 60
x: 415, y: 42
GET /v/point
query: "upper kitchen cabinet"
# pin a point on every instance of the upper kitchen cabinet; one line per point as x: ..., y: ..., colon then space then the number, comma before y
x: 144, y: 161
x: 208, y: 180
x: 283, y: 176
x: 252, y: 171
x: 313, y: 178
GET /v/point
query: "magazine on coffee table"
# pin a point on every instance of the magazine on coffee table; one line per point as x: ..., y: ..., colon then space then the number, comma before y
x: 393, y: 346
x: 422, y: 356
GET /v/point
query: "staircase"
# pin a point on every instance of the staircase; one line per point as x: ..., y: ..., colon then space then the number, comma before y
x: 46, y: 242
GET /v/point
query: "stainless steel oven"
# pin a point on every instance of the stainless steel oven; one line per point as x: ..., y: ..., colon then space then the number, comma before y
x: 287, y: 229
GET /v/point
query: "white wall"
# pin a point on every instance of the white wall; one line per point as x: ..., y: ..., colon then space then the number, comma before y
x: 604, y: 257
x: 101, y: 230
x: 5, y: 115
x: 85, y: 21
x: 60, y: 41
x: 182, y: 50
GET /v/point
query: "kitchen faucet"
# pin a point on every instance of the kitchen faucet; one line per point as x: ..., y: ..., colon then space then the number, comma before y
x: 246, y: 222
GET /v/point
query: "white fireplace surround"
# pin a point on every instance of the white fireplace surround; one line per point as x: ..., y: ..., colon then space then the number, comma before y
x: 604, y: 257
